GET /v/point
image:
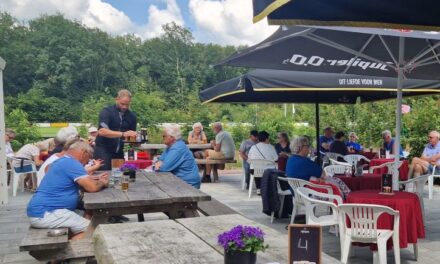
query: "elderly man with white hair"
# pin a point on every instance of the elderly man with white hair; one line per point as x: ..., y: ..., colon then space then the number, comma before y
x: 177, y: 158
x: 430, y: 156
x: 64, y: 134
x: 388, y: 143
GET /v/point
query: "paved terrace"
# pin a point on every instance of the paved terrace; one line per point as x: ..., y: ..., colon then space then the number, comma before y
x: 14, y: 224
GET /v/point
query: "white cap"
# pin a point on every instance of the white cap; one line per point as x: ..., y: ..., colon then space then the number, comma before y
x: 93, y: 129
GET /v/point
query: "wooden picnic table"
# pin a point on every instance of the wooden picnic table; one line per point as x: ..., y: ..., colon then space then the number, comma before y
x: 152, y: 192
x: 191, y: 240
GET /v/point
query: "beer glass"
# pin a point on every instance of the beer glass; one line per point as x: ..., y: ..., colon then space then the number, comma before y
x: 124, y: 182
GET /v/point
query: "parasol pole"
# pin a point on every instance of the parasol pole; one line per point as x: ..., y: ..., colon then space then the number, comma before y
x: 318, y: 153
x: 396, y: 147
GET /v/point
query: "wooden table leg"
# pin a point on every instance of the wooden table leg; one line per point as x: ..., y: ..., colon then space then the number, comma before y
x: 97, y: 219
x: 215, y: 172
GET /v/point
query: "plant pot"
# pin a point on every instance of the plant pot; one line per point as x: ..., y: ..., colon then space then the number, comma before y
x: 131, y: 174
x: 240, y: 257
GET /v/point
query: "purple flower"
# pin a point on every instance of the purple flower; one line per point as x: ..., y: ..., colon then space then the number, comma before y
x: 128, y: 167
x: 243, y: 238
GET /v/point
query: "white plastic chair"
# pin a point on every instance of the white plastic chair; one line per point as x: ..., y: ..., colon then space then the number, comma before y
x: 389, y: 165
x: 282, y: 195
x: 312, y: 199
x: 331, y: 170
x: 329, y: 156
x: 417, y: 185
x: 363, y: 220
x: 350, y: 158
x: 16, y: 175
x: 431, y: 182
x: 297, y: 201
x: 259, y: 166
x: 335, y: 162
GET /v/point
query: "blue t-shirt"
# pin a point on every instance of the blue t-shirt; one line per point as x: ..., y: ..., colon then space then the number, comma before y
x: 390, y: 147
x: 356, y: 146
x: 302, y: 168
x: 58, y: 189
x: 179, y: 160
x: 324, y: 139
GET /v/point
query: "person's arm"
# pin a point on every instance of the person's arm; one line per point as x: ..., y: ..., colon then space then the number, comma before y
x: 242, y: 151
x: 96, y: 165
x: 37, y: 160
x: 190, y: 139
x: 204, y: 139
x: 170, y: 161
x: 218, y: 142
x: 105, y: 131
x: 243, y: 155
x: 90, y: 185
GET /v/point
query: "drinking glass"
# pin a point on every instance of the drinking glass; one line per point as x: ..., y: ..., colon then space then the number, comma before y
x: 124, y: 182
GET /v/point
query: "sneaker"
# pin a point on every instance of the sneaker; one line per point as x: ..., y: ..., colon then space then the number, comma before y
x: 123, y: 218
x: 114, y: 220
x: 206, y: 179
x: 258, y: 192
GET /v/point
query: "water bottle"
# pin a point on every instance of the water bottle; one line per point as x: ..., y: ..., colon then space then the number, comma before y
x: 353, y: 169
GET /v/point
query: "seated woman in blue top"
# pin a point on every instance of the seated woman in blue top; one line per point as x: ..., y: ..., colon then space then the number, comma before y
x: 388, y: 143
x: 177, y: 158
x: 299, y: 165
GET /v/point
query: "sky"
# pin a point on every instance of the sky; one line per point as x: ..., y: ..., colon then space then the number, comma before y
x: 224, y: 22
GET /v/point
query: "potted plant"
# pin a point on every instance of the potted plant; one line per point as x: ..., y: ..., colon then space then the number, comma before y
x: 130, y: 170
x: 241, y: 244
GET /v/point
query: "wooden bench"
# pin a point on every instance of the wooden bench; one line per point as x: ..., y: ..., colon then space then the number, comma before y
x: 216, y: 164
x: 45, y: 248
x: 214, y: 207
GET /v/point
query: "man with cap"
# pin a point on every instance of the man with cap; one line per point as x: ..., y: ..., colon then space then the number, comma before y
x: 326, y: 140
x: 93, y: 132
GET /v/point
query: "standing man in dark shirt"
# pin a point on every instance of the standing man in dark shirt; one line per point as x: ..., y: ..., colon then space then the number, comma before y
x: 115, y: 123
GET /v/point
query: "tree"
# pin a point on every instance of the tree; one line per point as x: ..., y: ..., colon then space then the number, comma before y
x: 25, y: 131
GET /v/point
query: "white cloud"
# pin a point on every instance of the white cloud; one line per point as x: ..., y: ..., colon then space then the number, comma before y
x: 92, y: 13
x: 227, y: 22
x: 158, y: 17
x: 217, y: 21
x: 107, y: 18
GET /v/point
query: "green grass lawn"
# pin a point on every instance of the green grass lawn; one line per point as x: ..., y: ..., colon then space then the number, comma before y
x: 48, y: 132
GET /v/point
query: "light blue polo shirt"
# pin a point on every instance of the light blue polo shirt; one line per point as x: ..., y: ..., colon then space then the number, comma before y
x: 179, y: 160
x: 431, y: 150
x: 58, y: 189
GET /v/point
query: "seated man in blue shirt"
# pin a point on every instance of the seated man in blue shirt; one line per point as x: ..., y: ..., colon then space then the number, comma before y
x: 326, y: 140
x: 388, y: 143
x: 53, y: 204
x: 177, y: 158
x: 430, y: 156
